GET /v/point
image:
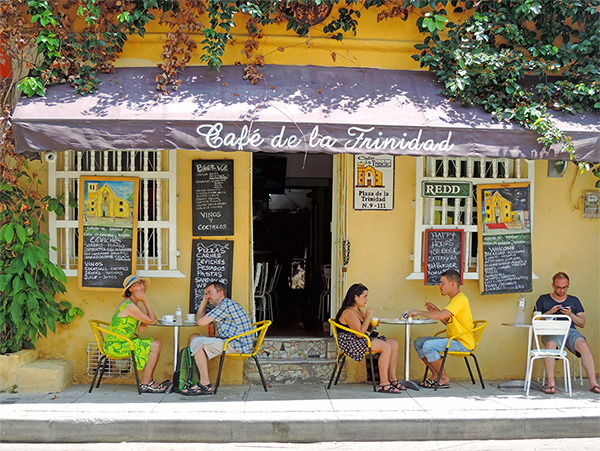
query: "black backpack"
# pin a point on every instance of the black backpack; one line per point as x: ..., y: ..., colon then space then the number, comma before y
x: 186, y: 375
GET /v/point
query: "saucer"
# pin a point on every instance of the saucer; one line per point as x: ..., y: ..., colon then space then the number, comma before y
x: 189, y: 322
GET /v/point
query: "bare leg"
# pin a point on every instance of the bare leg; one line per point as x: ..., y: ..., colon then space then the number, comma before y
x: 587, y: 360
x: 434, y: 367
x: 385, y: 351
x: 148, y: 374
x: 393, y: 359
x: 202, y: 363
x: 550, y: 363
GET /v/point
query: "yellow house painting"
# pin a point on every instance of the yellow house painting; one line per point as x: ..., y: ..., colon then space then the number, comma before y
x: 497, y: 208
x: 368, y: 176
x: 104, y: 203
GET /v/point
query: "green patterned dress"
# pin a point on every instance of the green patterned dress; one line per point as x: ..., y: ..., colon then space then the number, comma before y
x: 127, y: 326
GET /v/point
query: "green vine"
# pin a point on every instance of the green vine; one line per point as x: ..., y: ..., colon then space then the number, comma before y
x: 485, y: 60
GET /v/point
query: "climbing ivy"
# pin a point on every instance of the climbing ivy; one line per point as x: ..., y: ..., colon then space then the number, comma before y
x: 505, y: 56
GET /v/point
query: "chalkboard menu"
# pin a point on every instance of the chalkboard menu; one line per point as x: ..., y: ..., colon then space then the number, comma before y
x: 212, y: 203
x: 212, y: 261
x: 444, y: 249
x: 107, y: 231
x: 504, y: 238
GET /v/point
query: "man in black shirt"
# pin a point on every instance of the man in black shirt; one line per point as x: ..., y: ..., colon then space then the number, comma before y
x: 559, y: 302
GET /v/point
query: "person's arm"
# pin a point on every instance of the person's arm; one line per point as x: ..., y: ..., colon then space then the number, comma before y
x: 135, y: 312
x: 577, y: 318
x: 201, y: 310
x: 353, y: 320
x: 439, y: 315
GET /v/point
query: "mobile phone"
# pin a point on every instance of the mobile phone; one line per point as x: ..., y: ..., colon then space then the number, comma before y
x: 405, y: 315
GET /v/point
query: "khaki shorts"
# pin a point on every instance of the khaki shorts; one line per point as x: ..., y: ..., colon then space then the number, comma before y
x: 212, y: 346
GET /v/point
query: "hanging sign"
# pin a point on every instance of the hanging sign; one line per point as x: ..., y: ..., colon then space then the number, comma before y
x: 373, y: 182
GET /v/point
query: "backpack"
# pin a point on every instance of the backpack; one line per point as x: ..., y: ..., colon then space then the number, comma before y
x: 186, y: 375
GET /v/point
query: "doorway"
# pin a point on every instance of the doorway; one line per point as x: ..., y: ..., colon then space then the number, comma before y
x: 292, y: 207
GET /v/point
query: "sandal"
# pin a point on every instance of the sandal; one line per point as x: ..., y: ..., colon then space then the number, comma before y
x: 398, y: 385
x: 388, y: 388
x: 595, y: 389
x: 430, y: 383
x: 198, y: 390
x: 550, y: 390
x: 152, y: 387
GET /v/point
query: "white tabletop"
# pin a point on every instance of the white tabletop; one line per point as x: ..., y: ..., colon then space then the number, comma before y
x: 406, y: 321
x: 517, y: 325
x: 185, y: 323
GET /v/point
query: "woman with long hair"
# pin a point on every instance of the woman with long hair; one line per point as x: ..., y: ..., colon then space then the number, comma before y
x: 351, y: 315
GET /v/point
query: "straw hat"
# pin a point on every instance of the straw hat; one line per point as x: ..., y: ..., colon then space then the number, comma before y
x: 131, y: 279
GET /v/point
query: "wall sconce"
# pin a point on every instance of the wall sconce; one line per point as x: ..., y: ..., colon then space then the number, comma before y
x: 557, y: 168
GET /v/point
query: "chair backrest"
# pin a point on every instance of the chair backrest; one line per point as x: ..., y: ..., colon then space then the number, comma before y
x: 98, y: 332
x: 261, y: 328
x: 478, y: 328
x: 326, y: 274
x: 264, y: 277
x: 551, y: 325
x: 257, y: 272
x: 335, y: 326
x: 274, y: 279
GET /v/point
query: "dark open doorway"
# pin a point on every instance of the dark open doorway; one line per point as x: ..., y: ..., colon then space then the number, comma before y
x: 292, y: 209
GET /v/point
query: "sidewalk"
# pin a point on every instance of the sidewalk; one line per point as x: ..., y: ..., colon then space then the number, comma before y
x: 297, y: 413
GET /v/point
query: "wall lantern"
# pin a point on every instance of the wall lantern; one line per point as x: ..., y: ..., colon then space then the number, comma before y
x: 557, y: 168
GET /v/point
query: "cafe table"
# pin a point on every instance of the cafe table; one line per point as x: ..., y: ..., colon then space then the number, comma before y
x: 407, y: 323
x: 175, y: 327
x: 520, y: 383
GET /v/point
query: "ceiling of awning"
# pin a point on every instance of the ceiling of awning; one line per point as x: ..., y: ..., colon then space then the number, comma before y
x: 291, y: 109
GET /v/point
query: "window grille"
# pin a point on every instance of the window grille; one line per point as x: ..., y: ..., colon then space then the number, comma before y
x: 157, y: 218
x: 114, y: 368
x: 460, y: 213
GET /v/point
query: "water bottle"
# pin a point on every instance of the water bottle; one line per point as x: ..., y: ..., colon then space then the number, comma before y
x: 178, y: 316
x: 521, y: 305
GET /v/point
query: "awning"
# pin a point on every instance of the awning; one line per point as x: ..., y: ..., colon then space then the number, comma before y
x: 291, y: 109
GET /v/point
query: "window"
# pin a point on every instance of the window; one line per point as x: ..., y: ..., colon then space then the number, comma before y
x: 157, y: 217
x: 460, y: 213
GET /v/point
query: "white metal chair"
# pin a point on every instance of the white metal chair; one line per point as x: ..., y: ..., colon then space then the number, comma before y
x: 326, y: 292
x: 270, y: 290
x: 545, y: 325
x: 259, y: 293
x: 576, y: 358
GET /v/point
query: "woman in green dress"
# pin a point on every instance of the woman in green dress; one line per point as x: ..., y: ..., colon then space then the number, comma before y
x: 130, y: 318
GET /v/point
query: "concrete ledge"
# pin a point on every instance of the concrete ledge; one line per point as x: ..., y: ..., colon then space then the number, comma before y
x: 45, y: 376
x: 10, y: 365
x: 182, y: 430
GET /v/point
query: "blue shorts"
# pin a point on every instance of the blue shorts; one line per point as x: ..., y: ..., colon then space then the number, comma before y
x: 432, y: 348
x: 572, y: 337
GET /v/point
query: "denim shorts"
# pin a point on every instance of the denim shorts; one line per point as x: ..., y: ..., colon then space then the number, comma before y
x: 572, y: 337
x: 432, y: 348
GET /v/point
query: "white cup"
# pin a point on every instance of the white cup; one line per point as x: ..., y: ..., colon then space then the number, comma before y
x: 190, y: 317
x: 537, y: 313
x: 169, y: 318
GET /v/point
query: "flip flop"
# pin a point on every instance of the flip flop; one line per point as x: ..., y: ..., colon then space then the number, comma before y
x: 398, y: 385
x: 595, y: 389
x: 389, y: 388
x: 550, y: 390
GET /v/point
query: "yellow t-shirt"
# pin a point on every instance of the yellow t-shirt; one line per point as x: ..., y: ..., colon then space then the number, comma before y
x: 461, y: 320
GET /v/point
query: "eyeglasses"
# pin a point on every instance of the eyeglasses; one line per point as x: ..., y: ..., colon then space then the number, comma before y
x: 556, y: 287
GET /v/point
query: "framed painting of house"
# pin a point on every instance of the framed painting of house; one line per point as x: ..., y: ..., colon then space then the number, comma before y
x: 504, y: 232
x: 108, y: 211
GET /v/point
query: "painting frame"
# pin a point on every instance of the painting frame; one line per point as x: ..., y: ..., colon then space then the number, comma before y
x: 108, y: 215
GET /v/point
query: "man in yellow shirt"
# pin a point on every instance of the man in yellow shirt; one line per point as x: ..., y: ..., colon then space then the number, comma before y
x: 457, y: 317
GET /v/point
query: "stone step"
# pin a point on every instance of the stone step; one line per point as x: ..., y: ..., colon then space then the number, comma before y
x: 45, y: 376
x: 291, y: 371
x: 297, y: 348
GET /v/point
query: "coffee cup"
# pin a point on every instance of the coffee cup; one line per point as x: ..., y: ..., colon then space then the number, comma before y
x: 169, y: 318
x: 190, y: 317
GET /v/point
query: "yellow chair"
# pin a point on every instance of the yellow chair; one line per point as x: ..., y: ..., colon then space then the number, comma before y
x: 100, y: 328
x: 260, y: 328
x: 341, y: 357
x: 478, y: 327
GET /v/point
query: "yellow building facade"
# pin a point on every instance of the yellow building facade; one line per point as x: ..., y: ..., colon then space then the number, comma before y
x: 104, y: 203
x: 382, y: 250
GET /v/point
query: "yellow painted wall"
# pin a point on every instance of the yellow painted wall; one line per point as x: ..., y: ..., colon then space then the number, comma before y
x: 562, y: 241
x: 381, y: 241
x: 165, y: 294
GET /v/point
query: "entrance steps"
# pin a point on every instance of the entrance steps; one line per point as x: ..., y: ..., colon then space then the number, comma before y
x: 292, y: 360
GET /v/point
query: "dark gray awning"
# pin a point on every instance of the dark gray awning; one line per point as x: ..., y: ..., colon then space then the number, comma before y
x: 292, y: 109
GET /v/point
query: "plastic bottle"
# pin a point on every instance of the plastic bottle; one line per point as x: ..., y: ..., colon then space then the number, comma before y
x: 178, y: 316
x: 521, y: 305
